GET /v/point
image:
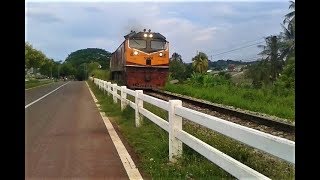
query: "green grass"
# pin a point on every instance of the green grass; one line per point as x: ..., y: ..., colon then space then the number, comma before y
x: 258, y: 100
x: 35, y: 83
x: 101, y: 74
x: 150, y: 143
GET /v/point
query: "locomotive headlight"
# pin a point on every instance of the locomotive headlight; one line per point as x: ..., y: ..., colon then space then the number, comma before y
x: 135, y: 52
x: 161, y: 54
x: 145, y: 35
x: 151, y: 35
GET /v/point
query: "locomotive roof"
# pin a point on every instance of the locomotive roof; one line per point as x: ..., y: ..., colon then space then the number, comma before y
x: 134, y: 34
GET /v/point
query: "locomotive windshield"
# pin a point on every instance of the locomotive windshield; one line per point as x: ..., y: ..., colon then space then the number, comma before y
x: 137, y: 43
x: 158, y: 45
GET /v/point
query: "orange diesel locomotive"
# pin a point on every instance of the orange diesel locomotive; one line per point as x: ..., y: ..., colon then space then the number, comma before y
x: 141, y: 61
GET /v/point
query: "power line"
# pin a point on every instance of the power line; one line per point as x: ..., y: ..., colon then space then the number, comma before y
x: 243, y: 43
x: 237, y: 48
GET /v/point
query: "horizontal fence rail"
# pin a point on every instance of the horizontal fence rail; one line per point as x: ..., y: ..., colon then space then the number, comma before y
x: 276, y: 146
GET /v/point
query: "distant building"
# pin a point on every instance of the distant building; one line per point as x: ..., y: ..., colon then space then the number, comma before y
x: 231, y: 67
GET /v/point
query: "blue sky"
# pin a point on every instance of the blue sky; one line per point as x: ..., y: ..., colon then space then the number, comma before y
x: 58, y: 28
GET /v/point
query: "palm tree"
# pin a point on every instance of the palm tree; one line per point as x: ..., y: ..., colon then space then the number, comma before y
x: 290, y: 17
x: 200, y: 62
x: 272, y: 52
x: 287, y: 45
x: 176, y: 57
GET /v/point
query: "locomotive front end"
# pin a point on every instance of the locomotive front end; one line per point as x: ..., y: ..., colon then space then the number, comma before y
x: 147, y: 60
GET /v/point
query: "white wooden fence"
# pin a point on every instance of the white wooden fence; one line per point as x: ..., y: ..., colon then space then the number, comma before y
x: 279, y: 147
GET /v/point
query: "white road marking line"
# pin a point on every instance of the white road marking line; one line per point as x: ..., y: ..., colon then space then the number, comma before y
x: 44, y: 96
x: 130, y: 167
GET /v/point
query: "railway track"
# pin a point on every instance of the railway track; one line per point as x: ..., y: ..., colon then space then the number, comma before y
x: 274, y: 126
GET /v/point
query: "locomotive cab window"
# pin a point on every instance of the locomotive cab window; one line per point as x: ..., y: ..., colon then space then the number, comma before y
x: 137, y: 43
x: 158, y: 45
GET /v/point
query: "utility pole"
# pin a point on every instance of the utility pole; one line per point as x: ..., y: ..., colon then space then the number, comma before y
x: 58, y: 71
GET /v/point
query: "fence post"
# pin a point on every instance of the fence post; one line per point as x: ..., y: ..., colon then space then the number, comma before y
x: 139, y: 103
x: 109, y: 88
x: 104, y: 87
x: 123, y: 98
x: 114, y: 92
x: 175, y: 123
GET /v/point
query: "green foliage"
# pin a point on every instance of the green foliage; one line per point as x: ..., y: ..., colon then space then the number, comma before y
x: 33, y: 57
x: 196, y: 79
x: 93, y: 66
x: 225, y: 75
x: 82, y: 72
x: 262, y: 100
x: 286, y: 82
x: 200, y: 63
x: 67, y: 69
x: 178, y: 69
x: 47, y: 66
x: 88, y: 55
x: 272, y: 51
x: 259, y: 73
x: 208, y: 80
x: 290, y: 17
x: 101, y: 74
x: 78, y: 64
x: 274, y: 70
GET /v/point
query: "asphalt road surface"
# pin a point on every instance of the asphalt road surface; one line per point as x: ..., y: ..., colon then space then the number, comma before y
x: 66, y: 137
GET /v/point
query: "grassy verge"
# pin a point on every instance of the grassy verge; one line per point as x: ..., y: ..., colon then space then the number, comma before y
x: 150, y: 143
x: 261, y: 100
x: 35, y: 83
x: 101, y: 74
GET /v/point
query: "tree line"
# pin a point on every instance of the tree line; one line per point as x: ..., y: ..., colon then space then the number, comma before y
x: 77, y: 65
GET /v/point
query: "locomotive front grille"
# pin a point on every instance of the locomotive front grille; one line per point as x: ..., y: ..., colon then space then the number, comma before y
x: 148, y: 61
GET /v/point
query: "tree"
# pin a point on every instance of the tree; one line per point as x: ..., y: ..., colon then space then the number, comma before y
x: 176, y: 57
x: 56, y: 69
x: 67, y: 69
x: 27, y: 53
x: 200, y: 62
x: 90, y: 55
x: 33, y: 57
x: 82, y: 71
x: 290, y: 17
x: 287, y: 45
x: 92, y: 66
x: 288, y: 36
x: 46, y: 68
x: 177, y: 68
x: 271, y: 50
x: 259, y: 73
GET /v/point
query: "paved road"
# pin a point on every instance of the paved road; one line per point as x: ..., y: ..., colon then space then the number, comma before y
x: 35, y: 93
x: 66, y: 137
